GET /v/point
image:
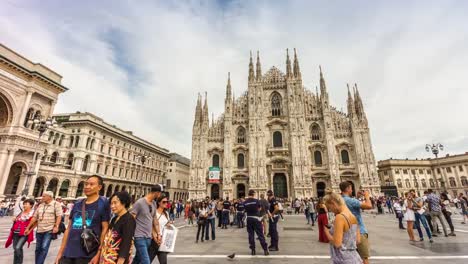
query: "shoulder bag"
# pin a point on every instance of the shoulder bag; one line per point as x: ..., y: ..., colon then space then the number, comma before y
x: 89, y: 240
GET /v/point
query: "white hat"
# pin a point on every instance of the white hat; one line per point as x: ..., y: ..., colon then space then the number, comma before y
x: 49, y: 193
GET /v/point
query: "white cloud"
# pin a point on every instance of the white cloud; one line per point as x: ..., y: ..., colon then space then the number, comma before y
x: 141, y: 66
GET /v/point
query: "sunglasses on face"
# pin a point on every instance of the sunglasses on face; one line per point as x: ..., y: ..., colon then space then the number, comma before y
x: 164, y: 202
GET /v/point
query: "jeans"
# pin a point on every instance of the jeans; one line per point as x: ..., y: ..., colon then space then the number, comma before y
x: 219, y: 214
x: 142, y: 245
x: 307, y: 215
x: 210, y: 222
x: 225, y: 217
x: 274, y: 231
x: 312, y: 218
x: 240, y: 220
x: 3, y: 212
x: 42, y: 246
x: 422, y: 218
x: 201, y: 227
x: 449, y: 220
x: 442, y: 222
x: 18, y: 243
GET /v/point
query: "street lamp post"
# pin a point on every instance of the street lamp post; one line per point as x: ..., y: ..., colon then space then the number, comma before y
x: 143, y: 158
x: 435, y: 149
x: 42, y: 126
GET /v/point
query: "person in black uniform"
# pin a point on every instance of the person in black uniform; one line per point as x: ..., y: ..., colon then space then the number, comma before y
x: 254, y: 222
x: 240, y: 213
x: 273, y: 221
x: 225, y: 214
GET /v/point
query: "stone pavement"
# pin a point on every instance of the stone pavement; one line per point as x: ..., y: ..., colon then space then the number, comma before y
x: 298, y: 244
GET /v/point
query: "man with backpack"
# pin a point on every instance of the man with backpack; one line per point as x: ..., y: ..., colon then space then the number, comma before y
x: 96, y: 212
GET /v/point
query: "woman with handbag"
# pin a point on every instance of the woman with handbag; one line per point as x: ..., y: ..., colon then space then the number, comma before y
x: 164, y: 222
x: 118, y: 241
x: 447, y: 212
x: 17, y: 236
x: 202, y: 215
x: 398, y: 208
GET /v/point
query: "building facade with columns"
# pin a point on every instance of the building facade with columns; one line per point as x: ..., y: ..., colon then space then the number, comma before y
x: 83, y: 144
x: 279, y: 135
x: 177, y: 179
x: 449, y: 173
x: 27, y: 90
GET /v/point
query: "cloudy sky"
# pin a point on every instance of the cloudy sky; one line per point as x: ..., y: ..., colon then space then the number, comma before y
x: 140, y: 66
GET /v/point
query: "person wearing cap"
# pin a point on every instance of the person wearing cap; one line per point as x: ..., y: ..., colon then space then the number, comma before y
x: 147, y: 226
x: 253, y: 208
x: 273, y: 221
x: 47, y: 218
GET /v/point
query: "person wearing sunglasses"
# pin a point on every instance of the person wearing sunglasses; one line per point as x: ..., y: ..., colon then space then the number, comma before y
x: 147, y: 227
x: 164, y: 222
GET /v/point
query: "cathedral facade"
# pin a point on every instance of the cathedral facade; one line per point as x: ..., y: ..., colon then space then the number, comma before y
x: 281, y: 136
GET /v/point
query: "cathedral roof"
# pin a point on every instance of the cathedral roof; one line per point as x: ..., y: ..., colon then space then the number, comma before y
x: 274, y: 75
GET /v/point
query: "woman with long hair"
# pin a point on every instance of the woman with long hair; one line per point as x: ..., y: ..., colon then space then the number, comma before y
x: 322, y: 220
x: 201, y: 221
x: 118, y: 242
x: 17, y: 236
x: 409, y: 215
x: 164, y: 221
x: 447, y: 212
x: 344, y: 235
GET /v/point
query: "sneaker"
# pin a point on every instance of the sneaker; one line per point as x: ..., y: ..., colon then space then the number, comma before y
x: 266, y: 252
x: 463, y: 223
x: 421, y: 239
x: 452, y: 234
x: 434, y: 235
x: 430, y: 240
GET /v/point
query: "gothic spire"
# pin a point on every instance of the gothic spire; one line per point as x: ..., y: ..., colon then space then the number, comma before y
x: 297, y: 70
x: 259, y: 67
x: 228, y: 87
x: 351, y: 111
x: 323, y: 86
x: 251, y: 69
x: 198, y: 111
x: 288, y: 65
x: 205, y: 110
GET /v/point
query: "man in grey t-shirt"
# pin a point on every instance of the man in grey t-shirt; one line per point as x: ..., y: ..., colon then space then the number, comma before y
x: 147, y: 226
x: 263, y: 212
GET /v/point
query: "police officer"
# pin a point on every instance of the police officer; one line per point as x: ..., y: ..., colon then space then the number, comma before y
x: 225, y: 213
x: 254, y: 222
x: 240, y: 213
x: 273, y: 221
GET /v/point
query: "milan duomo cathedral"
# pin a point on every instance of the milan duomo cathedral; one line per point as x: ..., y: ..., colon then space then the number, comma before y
x: 281, y: 136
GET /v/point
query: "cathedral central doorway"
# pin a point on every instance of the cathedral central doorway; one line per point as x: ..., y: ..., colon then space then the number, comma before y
x: 280, y: 185
x: 240, y: 190
x: 215, y: 191
x: 321, y: 189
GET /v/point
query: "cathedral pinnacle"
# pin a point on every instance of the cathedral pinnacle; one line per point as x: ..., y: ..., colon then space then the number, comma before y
x: 251, y: 69
x: 297, y: 70
x: 259, y: 67
x: 323, y: 86
x: 288, y: 65
x: 351, y: 110
x: 228, y: 87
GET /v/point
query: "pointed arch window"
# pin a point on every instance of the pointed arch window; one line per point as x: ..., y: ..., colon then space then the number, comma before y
x: 241, y: 135
x: 70, y: 159
x: 315, y: 132
x: 276, y: 105
x: 54, y: 157
x: 240, y: 160
x: 215, y: 160
x: 277, y: 139
x: 345, y: 157
x: 318, y: 158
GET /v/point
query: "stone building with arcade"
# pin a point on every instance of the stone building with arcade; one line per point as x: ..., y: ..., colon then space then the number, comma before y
x: 81, y: 145
x: 280, y: 135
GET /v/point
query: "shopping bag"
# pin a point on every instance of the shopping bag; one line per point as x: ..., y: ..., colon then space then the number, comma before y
x: 168, y: 240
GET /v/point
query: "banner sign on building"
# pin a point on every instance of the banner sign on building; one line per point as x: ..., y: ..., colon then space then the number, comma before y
x: 213, y: 175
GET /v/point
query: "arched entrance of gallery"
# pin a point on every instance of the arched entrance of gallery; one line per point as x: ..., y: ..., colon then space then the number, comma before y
x: 280, y: 185
x: 39, y: 186
x: 240, y: 190
x: 215, y: 191
x: 321, y: 189
x: 16, y: 171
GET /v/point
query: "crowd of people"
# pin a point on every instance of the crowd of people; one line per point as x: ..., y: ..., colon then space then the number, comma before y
x: 101, y: 230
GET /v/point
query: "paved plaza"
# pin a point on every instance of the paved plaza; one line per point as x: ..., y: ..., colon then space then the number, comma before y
x: 298, y: 244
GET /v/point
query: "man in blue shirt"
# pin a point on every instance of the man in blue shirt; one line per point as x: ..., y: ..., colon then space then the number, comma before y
x: 253, y: 207
x: 355, y: 207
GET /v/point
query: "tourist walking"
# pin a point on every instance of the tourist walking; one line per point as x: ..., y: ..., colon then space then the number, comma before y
x: 253, y: 208
x: 147, y: 227
x: 420, y: 218
x: 409, y: 215
x: 312, y: 211
x: 322, y: 220
x: 96, y: 210
x: 447, y: 212
x: 464, y: 207
x: 118, y: 240
x: 435, y: 211
x: 344, y: 235
x: 355, y: 206
x: 17, y: 233
x: 201, y: 221
x: 164, y: 222
x: 47, y: 217
x: 273, y: 214
x: 398, y: 208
